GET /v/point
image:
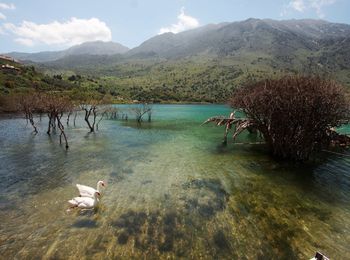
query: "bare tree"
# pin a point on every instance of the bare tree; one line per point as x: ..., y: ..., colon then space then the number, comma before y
x: 103, y: 112
x: 73, y: 111
x: 28, y: 104
x: 238, y: 124
x: 75, y: 116
x: 113, y: 112
x: 92, y: 107
x: 55, y: 106
x: 140, y: 110
x: 90, y: 110
x: 296, y: 115
x: 68, y: 116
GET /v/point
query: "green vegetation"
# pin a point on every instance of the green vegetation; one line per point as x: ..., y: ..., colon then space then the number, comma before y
x: 18, y: 79
x: 24, y: 78
x: 21, y: 80
x: 195, y: 79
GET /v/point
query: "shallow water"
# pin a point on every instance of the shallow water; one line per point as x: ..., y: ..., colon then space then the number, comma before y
x: 173, y: 192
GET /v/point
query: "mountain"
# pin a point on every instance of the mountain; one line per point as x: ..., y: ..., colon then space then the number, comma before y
x: 87, y: 48
x: 170, y: 45
x: 97, y: 48
x: 44, y: 56
x: 269, y: 36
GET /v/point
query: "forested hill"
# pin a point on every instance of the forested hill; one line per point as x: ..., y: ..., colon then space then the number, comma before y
x: 16, y: 78
x: 206, y: 63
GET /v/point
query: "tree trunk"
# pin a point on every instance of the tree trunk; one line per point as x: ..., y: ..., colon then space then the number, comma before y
x: 49, y: 126
x: 61, y: 127
x: 103, y: 114
x: 87, y: 115
x: 68, y: 116
x: 31, y: 120
x: 75, y: 117
x: 227, y: 128
x: 95, y: 115
x: 53, y: 122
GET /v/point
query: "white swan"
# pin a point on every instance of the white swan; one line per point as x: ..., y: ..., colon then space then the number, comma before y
x: 85, y: 202
x: 87, y: 191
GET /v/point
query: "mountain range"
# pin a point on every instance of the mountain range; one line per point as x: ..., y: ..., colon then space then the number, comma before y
x: 209, y: 61
x: 270, y: 36
x: 87, y: 48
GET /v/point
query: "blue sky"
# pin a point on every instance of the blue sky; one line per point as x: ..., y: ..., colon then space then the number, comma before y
x: 41, y: 25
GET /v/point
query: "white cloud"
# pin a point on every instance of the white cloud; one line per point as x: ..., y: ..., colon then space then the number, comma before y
x: 4, y: 6
x: 298, y: 5
x: 184, y: 22
x: 24, y: 41
x: 71, y: 32
x: 303, y: 5
x: 7, y: 6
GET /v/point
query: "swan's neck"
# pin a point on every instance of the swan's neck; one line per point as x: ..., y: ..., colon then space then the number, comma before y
x: 95, y: 201
x: 98, y: 187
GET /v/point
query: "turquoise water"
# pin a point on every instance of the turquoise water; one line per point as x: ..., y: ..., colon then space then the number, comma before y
x: 173, y: 191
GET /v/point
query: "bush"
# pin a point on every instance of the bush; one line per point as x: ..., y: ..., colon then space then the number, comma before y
x: 294, y: 114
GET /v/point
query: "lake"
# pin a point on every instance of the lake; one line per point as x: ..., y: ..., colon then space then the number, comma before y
x: 173, y: 191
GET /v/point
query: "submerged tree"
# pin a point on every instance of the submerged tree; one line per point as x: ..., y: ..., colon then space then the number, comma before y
x: 55, y: 106
x: 295, y: 115
x: 106, y: 111
x: 113, y: 112
x: 92, y: 108
x: 149, y: 113
x: 140, y: 110
x: 34, y: 104
x: 29, y: 104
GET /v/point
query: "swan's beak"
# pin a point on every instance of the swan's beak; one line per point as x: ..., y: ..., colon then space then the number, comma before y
x: 98, y: 194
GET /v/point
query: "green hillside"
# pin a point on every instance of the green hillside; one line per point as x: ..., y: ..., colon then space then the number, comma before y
x: 201, y: 78
x: 15, y: 78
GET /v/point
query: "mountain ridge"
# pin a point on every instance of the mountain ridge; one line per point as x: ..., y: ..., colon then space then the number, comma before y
x: 169, y: 45
x: 228, y: 37
x: 88, y: 48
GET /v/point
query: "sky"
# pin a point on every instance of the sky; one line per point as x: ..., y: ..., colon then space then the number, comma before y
x: 47, y: 25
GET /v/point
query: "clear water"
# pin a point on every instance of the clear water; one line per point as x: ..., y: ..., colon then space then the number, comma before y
x: 173, y: 192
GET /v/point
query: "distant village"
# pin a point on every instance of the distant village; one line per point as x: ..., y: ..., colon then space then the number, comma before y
x: 8, y: 67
